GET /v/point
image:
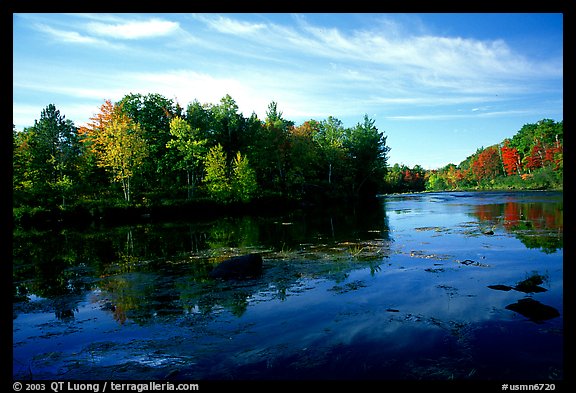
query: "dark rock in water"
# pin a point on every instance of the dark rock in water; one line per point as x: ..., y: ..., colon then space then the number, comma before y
x: 530, y: 289
x: 500, y: 287
x: 239, y: 267
x: 531, y: 284
x: 533, y: 310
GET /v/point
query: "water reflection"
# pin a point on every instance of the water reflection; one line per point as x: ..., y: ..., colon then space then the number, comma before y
x: 342, y: 295
x: 537, y: 224
x: 152, y: 269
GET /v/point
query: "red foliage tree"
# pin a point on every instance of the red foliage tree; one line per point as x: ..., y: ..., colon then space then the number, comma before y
x: 554, y: 155
x: 487, y: 164
x: 536, y: 158
x: 511, y: 160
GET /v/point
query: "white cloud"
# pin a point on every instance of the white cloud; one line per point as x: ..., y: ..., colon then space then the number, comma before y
x: 450, y: 116
x: 68, y: 36
x: 230, y: 26
x: 131, y: 30
x: 310, y: 70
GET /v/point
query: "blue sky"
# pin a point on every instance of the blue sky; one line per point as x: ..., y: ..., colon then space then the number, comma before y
x: 438, y: 85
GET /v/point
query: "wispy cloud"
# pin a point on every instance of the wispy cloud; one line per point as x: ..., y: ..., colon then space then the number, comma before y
x: 73, y: 37
x: 133, y: 29
x: 429, y: 60
x: 451, y: 116
x: 227, y: 25
x: 310, y: 69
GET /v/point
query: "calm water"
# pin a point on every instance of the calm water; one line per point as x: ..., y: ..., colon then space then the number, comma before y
x: 427, y: 286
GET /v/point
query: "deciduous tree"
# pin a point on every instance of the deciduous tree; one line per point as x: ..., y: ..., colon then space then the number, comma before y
x: 244, y: 185
x: 511, y: 159
x: 118, y: 143
x: 217, y: 180
x: 191, y: 150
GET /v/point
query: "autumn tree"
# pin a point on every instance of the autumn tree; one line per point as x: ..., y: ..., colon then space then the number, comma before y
x: 511, y: 159
x: 487, y: 164
x: 535, y: 159
x: 555, y: 156
x: 118, y: 143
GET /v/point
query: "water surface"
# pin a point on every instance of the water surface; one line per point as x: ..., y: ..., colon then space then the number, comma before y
x: 431, y: 286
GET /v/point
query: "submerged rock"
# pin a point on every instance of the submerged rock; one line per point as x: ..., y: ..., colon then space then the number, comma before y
x: 500, y: 287
x: 533, y: 310
x: 244, y: 266
x: 531, y: 284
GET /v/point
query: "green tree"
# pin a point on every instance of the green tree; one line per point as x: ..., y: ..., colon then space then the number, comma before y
x: 191, y: 150
x: 48, y: 156
x: 23, y: 176
x: 368, y: 151
x: 394, y: 179
x: 330, y: 138
x: 436, y: 182
x: 216, y: 179
x: 200, y: 118
x: 304, y: 170
x: 227, y: 126
x: 244, y: 185
x: 153, y: 112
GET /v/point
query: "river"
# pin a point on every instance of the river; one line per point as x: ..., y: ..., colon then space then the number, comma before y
x: 431, y: 286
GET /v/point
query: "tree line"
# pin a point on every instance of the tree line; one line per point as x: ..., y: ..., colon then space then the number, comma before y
x: 147, y: 150
x: 532, y: 159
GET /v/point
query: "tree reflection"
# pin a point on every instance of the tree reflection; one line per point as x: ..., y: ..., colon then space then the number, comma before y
x: 155, y: 270
x: 535, y: 224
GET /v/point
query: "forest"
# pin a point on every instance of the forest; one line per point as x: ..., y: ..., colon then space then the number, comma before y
x: 530, y: 160
x: 147, y: 153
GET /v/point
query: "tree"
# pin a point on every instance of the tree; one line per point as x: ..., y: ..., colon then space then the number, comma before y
x: 216, y: 178
x: 303, y: 172
x: 118, y: 142
x: 555, y: 156
x: 153, y: 112
x: 227, y: 126
x: 487, y: 164
x: 511, y: 159
x: 49, y: 151
x: 274, y: 117
x: 244, y: 185
x: 23, y: 175
x: 330, y: 138
x: 269, y: 149
x: 191, y: 150
x: 535, y: 159
x: 367, y: 149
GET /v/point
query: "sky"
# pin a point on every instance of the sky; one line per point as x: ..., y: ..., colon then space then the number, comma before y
x: 439, y: 86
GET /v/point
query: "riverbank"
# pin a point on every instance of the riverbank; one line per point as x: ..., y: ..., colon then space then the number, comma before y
x: 107, y: 212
